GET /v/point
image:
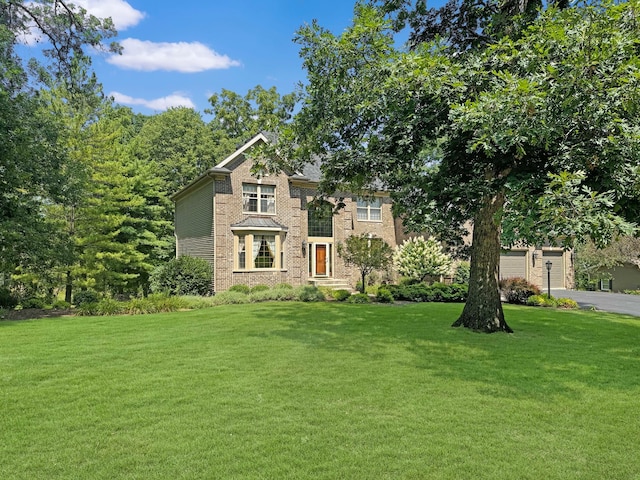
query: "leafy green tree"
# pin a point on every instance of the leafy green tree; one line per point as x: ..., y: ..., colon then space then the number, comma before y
x: 33, y: 161
x: 366, y: 253
x: 178, y: 144
x: 418, y: 258
x: 64, y: 30
x: 31, y: 169
x: 482, y: 134
x: 590, y: 261
x: 236, y: 118
x: 75, y: 110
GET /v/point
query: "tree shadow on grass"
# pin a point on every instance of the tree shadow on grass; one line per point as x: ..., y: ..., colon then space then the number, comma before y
x: 552, y: 353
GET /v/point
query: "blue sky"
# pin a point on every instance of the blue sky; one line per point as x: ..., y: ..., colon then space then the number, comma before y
x: 180, y: 52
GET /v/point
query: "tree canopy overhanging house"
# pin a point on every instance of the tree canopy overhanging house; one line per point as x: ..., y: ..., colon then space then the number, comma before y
x: 533, y: 134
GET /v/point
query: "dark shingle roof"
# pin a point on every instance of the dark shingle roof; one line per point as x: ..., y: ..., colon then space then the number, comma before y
x: 310, y: 172
x: 258, y: 223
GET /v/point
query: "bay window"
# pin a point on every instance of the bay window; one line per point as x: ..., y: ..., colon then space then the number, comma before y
x: 259, y: 250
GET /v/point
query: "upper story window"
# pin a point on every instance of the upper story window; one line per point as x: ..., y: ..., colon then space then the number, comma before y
x: 320, y: 220
x: 258, y: 198
x: 370, y: 210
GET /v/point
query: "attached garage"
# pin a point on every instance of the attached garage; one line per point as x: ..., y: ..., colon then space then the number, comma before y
x: 557, y: 269
x: 513, y: 263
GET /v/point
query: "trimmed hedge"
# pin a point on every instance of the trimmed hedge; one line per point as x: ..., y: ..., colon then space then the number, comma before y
x: 436, y: 292
x: 85, y: 297
x: 360, y: 298
x: 308, y: 293
x: 384, y: 295
x: 240, y: 288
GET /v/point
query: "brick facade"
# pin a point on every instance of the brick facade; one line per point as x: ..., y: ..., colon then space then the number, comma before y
x: 210, y: 224
x: 292, y: 198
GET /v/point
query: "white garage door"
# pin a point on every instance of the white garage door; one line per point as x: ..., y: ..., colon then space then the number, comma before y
x: 513, y: 264
x: 557, y: 269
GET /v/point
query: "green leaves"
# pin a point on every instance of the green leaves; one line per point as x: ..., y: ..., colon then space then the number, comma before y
x: 562, y: 95
x: 577, y: 213
x: 418, y: 258
x: 365, y: 252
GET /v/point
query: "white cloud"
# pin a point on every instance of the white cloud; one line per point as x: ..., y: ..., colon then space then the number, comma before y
x: 180, y: 57
x: 159, y: 104
x: 122, y: 14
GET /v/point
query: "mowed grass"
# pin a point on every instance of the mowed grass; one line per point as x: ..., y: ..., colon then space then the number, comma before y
x: 321, y: 391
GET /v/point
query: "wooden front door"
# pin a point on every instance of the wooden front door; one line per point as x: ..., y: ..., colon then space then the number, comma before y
x: 321, y: 259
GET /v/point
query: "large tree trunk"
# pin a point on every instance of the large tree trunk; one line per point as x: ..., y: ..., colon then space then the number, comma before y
x: 483, y: 310
x: 68, y: 288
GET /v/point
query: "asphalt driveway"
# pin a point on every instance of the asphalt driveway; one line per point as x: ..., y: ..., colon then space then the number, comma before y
x: 607, y: 302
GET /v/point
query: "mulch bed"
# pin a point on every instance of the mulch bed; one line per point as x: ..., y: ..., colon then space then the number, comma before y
x: 32, y: 313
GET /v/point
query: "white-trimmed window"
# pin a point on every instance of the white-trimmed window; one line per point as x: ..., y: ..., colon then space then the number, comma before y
x: 258, y: 198
x: 264, y: 251
x: 369, y: 210
x: 242, y: 252
x: 259, y: 250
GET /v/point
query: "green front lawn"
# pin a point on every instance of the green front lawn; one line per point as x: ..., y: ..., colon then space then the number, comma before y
x: 293, y: 390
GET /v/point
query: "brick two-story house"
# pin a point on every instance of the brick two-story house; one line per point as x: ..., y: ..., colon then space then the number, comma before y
x: 267, y: 230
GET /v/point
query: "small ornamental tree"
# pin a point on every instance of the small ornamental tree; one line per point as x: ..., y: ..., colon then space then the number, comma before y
x: 366, y: 253
x: 418, y: 258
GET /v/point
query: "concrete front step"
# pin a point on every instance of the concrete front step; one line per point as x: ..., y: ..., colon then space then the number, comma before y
x: 332, y: 283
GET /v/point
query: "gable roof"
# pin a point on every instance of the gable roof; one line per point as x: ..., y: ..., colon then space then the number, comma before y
x: 311, y: 172
x: 260, y: 137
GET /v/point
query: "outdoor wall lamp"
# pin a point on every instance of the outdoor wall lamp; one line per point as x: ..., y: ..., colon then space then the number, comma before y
x: 304, y: 248
x: 534, y: 257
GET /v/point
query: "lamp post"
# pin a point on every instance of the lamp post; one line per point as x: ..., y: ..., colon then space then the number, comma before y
x: 549, y: 264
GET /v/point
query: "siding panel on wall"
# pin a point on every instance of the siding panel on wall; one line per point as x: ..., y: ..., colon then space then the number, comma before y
x: 194, y: 224
x: 625, y: 277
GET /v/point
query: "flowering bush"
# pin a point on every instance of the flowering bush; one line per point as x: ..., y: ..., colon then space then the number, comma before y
x: 418, y: 258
